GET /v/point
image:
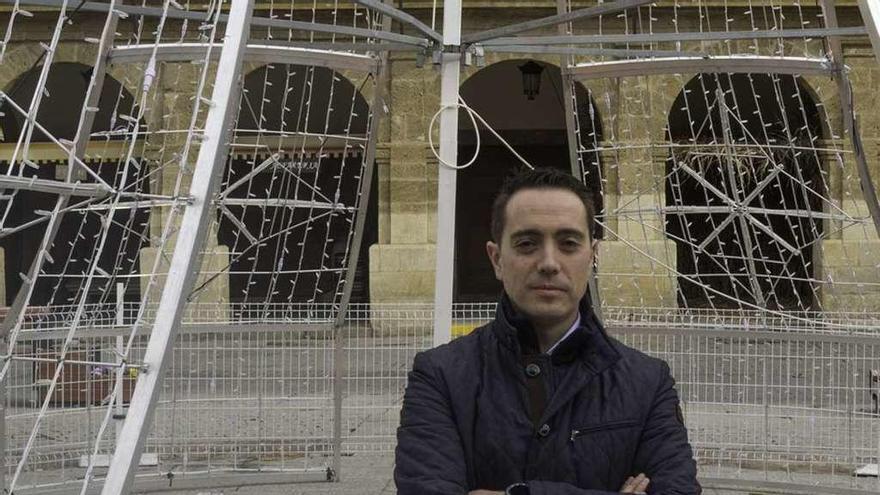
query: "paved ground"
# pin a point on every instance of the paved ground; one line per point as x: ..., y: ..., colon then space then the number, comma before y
x: 364, y: 474
x: 371, y: 475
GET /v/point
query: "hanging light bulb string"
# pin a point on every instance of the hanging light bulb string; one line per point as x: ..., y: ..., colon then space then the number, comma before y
x: 474, y: 116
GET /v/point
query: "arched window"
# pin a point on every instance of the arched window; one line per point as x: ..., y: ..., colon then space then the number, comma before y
x: 74, y: 244
x: 304, y: 130
x: 743, y: 183
x: 536, y: 129
x: 60, y: 110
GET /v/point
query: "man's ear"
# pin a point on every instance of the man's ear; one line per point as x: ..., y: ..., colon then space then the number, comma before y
x: 494, y: 252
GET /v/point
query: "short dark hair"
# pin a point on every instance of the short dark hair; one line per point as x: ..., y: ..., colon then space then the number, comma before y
x: 539, y: 178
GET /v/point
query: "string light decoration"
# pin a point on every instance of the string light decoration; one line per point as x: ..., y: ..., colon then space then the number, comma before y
x: 214, y: 158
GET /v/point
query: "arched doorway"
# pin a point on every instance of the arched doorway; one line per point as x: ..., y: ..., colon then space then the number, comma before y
x: 71, y: 253
x: 536, y: 129
x: 742, y: 184
x: 308, y: 127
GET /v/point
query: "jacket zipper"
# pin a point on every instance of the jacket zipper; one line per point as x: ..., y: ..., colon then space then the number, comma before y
x: 613, y: 425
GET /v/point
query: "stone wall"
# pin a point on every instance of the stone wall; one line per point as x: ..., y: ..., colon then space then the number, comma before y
x: 636, y: 260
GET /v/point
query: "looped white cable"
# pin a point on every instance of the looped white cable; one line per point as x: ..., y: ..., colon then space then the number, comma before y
x: 471, y: 113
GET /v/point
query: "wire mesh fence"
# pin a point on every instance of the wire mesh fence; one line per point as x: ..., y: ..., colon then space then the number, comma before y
x: 280, y: 389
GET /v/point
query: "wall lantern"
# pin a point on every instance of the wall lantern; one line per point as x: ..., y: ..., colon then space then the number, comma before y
x: 531, y: 78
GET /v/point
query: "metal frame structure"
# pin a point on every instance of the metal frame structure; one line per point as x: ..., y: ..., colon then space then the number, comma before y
x: 702, y: 348
x: 844, y: 88
x: 197, y: 205
x: 377, y: 105
x: 15, y: 315
x: 554, y: 20
x: 224, y: 18
x: 657, y: 62
x: 448, y: 48
x: 235, y: 50
x: 257, y: 53
x: 597, y: 39
x: 185, y: 261
x: 677, y: 65
x: 871, y: 16
x: 450, y: 70
x: 568, y: 91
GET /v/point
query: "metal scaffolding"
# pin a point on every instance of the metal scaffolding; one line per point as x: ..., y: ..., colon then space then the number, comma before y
x: 700, y: 236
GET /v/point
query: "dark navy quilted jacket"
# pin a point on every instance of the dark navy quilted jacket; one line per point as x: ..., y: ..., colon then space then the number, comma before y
x: 610, y: 412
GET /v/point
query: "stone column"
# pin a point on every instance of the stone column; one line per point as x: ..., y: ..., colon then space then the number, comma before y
x: 635, y: 258
x: 177, y: 84
x: 850, y: 255
x: 402, y: 263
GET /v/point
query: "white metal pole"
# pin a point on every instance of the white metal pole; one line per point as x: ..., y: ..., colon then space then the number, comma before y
x: 120, y: 321
x: 339, y: 336
x: 870, y: 10
x: 871, y: 17
x: 450, y: 72
x: 185, y: 261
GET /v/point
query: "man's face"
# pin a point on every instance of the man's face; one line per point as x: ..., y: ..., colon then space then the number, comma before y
x: 545, y: 254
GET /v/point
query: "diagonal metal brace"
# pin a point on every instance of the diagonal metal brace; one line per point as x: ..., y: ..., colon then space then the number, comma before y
x: 402, y: 17
x: 53, y: 186
x: 602, y: 9
x: 192, y: 15
x: 651, y: 38
x: 185, y: 262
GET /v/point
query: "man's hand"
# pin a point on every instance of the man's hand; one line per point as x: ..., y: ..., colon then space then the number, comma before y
x: 635, y: 485
x: 485, y: 492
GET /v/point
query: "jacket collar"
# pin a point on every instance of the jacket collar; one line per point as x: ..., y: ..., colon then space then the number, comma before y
x: 589, y: 343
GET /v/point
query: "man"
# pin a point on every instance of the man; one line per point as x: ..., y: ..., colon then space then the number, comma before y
x: 541, y: 401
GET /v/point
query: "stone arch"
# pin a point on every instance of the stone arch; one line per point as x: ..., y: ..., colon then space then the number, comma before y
x: 828, y: 115
x: 59, y: 113
x: 60, y: 109
x: 20, y: 58
x: 603, y: 116
x: 537, y: 130
x: 757, y: 108
x: 303, y: 114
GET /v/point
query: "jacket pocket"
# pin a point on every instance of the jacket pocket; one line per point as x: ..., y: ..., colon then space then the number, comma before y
x: 608, y: 426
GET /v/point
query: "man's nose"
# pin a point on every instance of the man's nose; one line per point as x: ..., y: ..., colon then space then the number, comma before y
x: 549, y: 263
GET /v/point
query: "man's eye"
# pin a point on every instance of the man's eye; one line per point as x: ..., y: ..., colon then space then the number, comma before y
x: 570, y: 244
x: 524, y: 245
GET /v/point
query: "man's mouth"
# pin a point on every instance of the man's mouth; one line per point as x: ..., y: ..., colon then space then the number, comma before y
x: 547, y: 288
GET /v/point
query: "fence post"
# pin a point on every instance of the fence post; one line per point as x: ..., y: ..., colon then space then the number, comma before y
x: 850, y: 406
x: 119, y: 414
x: 766, y: 414
x: 3, y: 438
x: 339, y: 329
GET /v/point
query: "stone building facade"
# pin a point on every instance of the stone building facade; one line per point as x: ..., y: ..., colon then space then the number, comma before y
x: 631, y: 117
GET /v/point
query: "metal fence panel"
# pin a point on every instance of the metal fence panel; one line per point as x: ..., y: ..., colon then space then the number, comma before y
x: 255, y: 392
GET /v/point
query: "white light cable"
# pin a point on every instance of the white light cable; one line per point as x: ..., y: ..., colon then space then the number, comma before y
x: 471, y: 113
